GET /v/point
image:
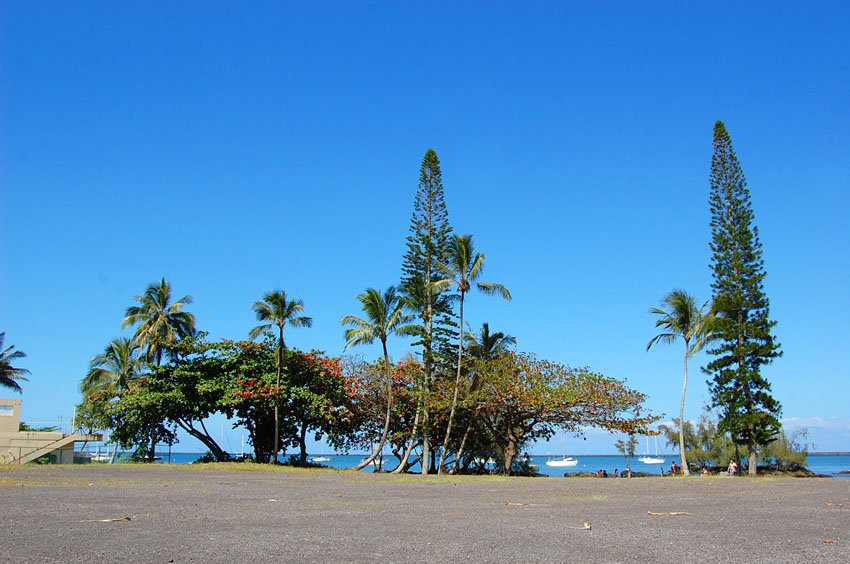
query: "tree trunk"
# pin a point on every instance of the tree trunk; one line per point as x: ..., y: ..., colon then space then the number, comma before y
x: 302, y: 443
x: 682, y: 456
x: 752, y: 465
x: 402, y: 466
x: 275, y: 445
x: 208, y: 441
x: 426, y: 421
x: 457, y: 389
x: 463, y: 441
x: 509, y: 455
x: 377, y: 450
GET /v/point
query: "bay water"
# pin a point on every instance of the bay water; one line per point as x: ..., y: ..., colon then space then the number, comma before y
x: 829, y: 465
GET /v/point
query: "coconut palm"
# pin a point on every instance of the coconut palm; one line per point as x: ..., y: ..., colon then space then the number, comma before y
x: 114, y: 369
x: 464, y: 267
x: 679, y: 316
x: 384, y: 317
x: 277, y: 310
x: 487, y: 345
x: 8, y: 373
x: 160, y: 323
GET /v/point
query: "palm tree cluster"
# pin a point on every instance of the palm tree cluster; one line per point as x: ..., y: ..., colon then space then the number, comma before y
x: 160, y: 324
x: 385, y: 316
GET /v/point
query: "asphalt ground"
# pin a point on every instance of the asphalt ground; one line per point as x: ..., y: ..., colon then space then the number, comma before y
x: 239, y: 513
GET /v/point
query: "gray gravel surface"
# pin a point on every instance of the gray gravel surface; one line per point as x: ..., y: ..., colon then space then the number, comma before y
x: 236, y: 514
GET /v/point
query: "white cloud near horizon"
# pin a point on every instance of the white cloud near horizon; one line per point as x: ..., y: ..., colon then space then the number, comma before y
x: 825, y: 423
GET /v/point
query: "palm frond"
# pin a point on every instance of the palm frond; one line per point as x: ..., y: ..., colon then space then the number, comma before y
x: 493, y: 289
x: 439, y: 286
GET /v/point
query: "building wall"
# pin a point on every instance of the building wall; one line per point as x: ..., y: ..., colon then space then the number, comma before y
x: 10, y: 415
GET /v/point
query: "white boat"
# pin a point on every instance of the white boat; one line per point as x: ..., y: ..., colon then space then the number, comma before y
x: 485, y: 462
x: 101, y: 457
x: 647, y: 459
x: 565, y: 462
x: 320, y: 459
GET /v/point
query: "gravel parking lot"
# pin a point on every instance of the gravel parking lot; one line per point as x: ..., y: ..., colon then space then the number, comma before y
x: 241, y: 513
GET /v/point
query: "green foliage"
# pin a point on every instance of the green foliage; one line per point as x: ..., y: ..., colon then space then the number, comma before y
x: 384, y: 316
x: 465, y: 266
x: 159, y: 323
x: 487, y: 344
x: 278, y: 310
x: 428, y: 244
x: 788, y: 452
x: 138, y: 417
x: 114, y: 369
x: 679, y: 317
x: 705, y: 445
x: 523, y: 398
x: 627, y: 447
x: 313, y: 397
x: 93, y: 414
x: 23, y: 427
x: 366, y: 382
x: 9, y: 375
x: 708, y: 446
x: 743, y: 339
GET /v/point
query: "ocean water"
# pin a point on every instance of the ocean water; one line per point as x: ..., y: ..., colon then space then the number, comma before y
x: 828, y: 464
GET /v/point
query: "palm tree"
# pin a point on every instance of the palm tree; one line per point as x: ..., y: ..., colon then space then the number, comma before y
x: 680, y: 317
x: 8, y: 373
x: 484, y: 346
x: 277, y: 310
x: 465, y: 267
x: 160, y: 323
x: 384, y: 317
x: 487, y: 345
x: 114, y: 369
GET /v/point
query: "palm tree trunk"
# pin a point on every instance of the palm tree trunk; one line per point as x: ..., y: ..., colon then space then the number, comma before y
x: 682, y: 456
x: 460, y: 449
x: 277, y: 400
x: 377, y: 450
x: 402, y: 466
x: 457, y: 390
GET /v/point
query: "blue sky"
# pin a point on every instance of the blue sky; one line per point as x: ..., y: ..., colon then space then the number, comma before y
x: 235, y: 150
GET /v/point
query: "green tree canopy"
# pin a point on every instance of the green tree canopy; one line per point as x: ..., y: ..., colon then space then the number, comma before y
x: 744, y: 340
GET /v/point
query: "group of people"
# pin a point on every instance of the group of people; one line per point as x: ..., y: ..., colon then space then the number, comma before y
x: 627, y: 473
x: 732, y: 469
x: 675, y: 469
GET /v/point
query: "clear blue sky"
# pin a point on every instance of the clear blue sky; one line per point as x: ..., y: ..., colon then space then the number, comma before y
x: 235, y: 150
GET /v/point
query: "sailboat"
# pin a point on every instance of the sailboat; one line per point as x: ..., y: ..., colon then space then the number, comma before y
x: 646, y: 459
x: 563, y: 462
